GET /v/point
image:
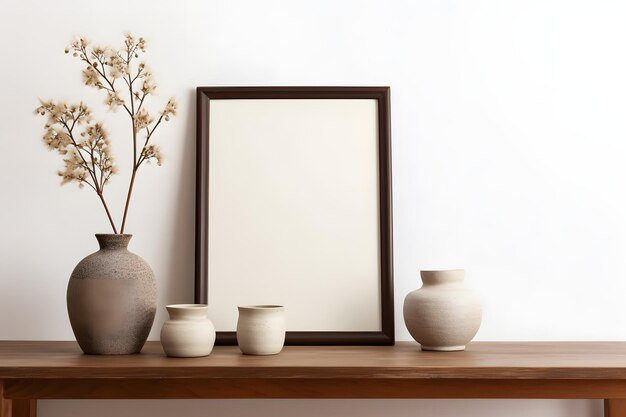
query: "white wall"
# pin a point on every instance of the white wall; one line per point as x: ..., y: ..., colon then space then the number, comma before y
x: 508, y: 140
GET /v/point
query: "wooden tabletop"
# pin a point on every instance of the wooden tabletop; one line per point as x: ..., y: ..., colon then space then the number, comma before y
x: 30, y: 371
x: 481, y: 360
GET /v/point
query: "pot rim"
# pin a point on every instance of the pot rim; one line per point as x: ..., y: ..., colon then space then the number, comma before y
x: 267, y: 307
x: 186, y: 306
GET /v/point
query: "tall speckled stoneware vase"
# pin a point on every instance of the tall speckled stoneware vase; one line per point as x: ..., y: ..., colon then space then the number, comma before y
x: 111, y: 299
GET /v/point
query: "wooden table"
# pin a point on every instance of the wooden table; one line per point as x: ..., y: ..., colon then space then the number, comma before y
x: 58, y: 370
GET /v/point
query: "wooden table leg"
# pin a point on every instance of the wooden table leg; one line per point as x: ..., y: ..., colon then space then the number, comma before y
x: 24, y: 408
x: 615, y: 408
x: 16, y: 408
x: 5, y: 405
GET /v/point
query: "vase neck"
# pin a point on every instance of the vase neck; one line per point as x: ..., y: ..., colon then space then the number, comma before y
x: 113, y: 241
x: 187, y: 311
x: 442, y: 277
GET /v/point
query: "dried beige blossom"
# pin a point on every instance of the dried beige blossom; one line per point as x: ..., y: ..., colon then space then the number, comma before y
x: 84, y: 144
x: 170, y: 109
x: 141, y: 44
x: 57, y: 140
x: 143, y: 119
x: 117, y: 67
x: 113, y: 100
x: 152, y: 152
x: 75, y: 169
x: 91, y: 78
x: 148, y: 86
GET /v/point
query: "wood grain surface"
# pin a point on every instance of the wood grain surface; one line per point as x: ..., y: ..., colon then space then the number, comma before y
x: 486, y: 360
x: 59, y: 370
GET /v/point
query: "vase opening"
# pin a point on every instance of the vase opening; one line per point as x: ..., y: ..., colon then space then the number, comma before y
x: 435, y: 277
x: 113, y: 241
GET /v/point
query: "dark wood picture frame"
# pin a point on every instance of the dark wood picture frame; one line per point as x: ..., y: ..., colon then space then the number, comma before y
x: 382, y: 96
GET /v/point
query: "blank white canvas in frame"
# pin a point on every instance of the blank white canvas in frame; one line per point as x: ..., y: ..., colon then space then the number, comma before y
x: 293, y: 211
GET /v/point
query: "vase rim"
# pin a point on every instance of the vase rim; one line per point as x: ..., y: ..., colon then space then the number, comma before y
x: 430, y: 271
x: 186, y: 306
x: 114, y: 234
x: 443, y: 276
x: 113, y: 241
x: 267, y: 307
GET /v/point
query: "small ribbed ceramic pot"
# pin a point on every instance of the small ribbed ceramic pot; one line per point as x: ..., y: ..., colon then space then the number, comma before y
x: 442, y: 315
x: 261, y: 329
x: 188, y: 333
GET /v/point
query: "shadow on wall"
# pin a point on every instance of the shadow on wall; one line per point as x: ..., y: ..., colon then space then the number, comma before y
x: 328, y: 408
x: 179, y: 281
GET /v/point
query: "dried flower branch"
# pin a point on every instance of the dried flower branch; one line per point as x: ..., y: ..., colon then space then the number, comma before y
x: 87, y: 160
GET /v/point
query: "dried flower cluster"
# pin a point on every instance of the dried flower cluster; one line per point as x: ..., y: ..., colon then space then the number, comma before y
x: 83, y: 143
x: 86, y: 154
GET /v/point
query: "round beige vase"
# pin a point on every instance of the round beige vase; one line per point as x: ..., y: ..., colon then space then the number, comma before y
x: 261, y: 329
x: 188, y: 333
x: 442, y: 315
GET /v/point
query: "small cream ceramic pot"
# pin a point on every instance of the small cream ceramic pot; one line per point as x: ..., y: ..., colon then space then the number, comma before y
x: 443, y: 314
x: 261, y: 329
x: 188, y: 333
